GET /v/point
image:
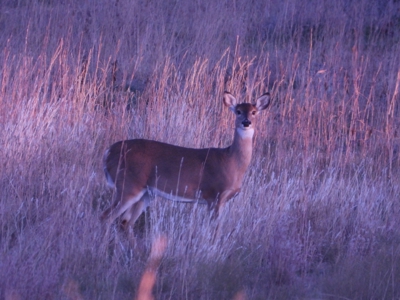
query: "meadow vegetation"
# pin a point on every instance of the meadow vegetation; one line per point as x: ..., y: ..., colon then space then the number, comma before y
x: 318, y: 215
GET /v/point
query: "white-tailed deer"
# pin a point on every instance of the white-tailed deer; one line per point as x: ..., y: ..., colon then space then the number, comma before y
x: 140, y: 169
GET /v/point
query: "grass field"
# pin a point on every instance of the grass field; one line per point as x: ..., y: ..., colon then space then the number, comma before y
x: 318, y: 215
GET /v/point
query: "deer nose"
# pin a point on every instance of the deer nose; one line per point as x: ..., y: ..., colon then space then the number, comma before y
x: 246, y: 123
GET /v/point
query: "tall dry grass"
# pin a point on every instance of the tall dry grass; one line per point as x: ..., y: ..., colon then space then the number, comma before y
x: 318, y: 214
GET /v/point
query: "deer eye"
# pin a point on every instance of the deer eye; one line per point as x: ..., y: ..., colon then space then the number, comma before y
x: 253, y: 112
x: 238, y: 112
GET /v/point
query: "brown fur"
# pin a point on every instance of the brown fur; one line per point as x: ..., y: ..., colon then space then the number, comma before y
x: 211, y: 175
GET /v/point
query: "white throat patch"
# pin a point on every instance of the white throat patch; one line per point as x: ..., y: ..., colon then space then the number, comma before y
x: 245, y: 133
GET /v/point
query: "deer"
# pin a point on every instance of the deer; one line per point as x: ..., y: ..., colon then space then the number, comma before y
x: 140, y: 169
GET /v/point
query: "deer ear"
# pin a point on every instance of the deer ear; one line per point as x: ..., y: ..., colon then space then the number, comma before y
x: 230, y: 101
x: 263, y: 101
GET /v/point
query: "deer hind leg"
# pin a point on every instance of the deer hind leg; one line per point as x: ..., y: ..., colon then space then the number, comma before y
x: 124, y: 200
x: 132, y: 214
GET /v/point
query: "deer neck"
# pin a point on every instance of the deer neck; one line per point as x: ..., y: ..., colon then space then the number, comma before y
x: 242, y: 147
